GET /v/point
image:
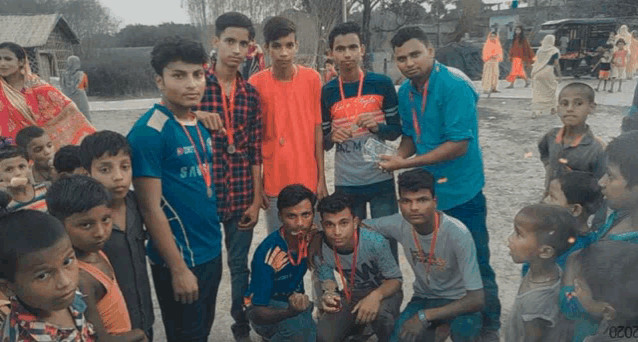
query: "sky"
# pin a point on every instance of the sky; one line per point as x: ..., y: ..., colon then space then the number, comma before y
x: 155, y: 12
x: 146, y: 12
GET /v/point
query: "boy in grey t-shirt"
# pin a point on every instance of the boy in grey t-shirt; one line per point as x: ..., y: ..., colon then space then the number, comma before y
x: 369, y: 273
x: 447, y: 287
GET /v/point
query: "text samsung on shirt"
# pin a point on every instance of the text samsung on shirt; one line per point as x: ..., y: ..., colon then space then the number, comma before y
x: 191, y: 171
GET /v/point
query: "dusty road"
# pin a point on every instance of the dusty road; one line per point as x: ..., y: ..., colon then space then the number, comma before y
x: 513, y: 178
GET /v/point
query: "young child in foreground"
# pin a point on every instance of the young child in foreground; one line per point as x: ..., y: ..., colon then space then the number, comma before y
x: 580, y: 193
x: 39, y: 270
x: 84, y: 207
x: 40, y: 151
x: 67, y: 161
x: 106, y: 155
x: 17, y: 180
x: 600, y: 292
x: 541, y: 233
x: 620, y: 187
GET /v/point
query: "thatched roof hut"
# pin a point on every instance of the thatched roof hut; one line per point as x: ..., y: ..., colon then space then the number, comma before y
x: 47, y: 38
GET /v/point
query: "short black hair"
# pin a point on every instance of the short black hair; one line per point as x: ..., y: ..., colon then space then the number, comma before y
x: 343, y: 29
x: 67, y: 159
x: 175, y: 49
x: 278, y: 27
x: 234, y: 19
x: 100, y: 143
x: 621, y: 151
x: 621, y: 41
x: 609, y: 269
x: 12, y: 151
x: 553, y: 226
x: 410, y: 32
x: 76, y: 194
x: 16, y: 49
x: 581, y: 87
x: 336, y: 203
x: 415, y: 180
x: 22, y: 233
x: 581, y: 188
x: 294, y: 194
x: 27, y: 134
x: 329, y: 61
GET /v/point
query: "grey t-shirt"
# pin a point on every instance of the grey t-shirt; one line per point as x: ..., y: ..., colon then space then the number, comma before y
x: 456, y: 269
x: 538, y: 303
x: 375, y: 262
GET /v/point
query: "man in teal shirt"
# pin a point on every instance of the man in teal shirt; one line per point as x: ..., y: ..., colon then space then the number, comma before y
x: 438, y: 109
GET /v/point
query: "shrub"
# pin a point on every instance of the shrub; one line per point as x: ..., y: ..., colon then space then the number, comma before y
x: 120, y: 72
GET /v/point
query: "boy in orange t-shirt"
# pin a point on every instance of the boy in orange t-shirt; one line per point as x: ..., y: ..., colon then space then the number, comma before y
x: 293, y: 139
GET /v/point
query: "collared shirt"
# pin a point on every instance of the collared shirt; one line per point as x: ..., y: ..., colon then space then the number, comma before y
x: 586, y: 153
x: 23, y: 326
x: 232, y: 173
x: 161, y: 149
x: 450, y: 115
x: 127, y: 252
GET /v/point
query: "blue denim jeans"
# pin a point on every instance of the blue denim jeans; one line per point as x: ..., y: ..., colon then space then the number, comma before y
x: 473, y: 214
x: 238, y: 245
x: 383, y: 202
x: 339, y: 325
x: 188, y: 322
x: 300, y: 328
x: 465, y: 327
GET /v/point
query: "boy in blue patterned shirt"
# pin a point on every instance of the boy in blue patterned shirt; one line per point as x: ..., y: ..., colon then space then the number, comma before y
x: 171, y: 155
x: 275, y: 301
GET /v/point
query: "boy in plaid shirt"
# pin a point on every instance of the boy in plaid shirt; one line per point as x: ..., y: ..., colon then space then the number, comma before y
x: 230, y: 108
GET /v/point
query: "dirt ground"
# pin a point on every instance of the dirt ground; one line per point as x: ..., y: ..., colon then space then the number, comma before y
x: 513, y: 179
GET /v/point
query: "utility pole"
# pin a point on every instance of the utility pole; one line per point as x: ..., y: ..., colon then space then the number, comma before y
x: 344, y: 10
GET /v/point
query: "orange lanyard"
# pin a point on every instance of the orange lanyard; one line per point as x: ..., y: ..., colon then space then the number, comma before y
x: 430, y: 258
x: 229, y: 118
x: 302, y: 249
x: 347, y: 290
x: 424, y: 101
x: 202, y: 167
x: 359, y: 91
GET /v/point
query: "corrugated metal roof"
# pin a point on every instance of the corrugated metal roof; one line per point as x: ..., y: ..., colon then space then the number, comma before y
x: 33, y: 30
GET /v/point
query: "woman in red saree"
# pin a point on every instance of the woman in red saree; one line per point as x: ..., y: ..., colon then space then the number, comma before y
x: 521, y: 54
x: 26, y: 100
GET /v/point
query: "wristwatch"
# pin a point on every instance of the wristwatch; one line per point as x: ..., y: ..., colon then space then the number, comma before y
x: 423, y: 319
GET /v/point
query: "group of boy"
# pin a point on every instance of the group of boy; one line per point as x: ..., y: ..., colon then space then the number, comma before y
x: 205, y: 145
x: 276, y: 119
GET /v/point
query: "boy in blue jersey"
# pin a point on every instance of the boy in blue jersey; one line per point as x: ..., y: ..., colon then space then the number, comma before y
x: 355, y: 107
x: 275, y: 301
x: 171, y: 154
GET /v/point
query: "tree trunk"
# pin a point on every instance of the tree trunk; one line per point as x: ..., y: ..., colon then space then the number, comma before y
x: 366, y: 34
